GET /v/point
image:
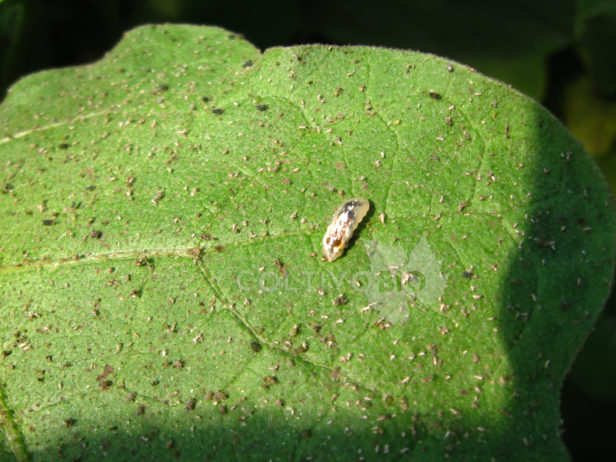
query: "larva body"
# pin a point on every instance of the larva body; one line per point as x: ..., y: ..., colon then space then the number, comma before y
x: 345, y: 220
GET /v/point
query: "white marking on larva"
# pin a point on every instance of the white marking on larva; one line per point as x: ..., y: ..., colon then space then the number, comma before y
x: 345, y: 220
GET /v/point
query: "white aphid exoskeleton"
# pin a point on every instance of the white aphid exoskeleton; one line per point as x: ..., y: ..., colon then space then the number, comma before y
x: 345, y: 220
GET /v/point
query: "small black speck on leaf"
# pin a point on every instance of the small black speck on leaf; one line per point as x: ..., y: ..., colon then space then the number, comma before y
x: 90, y: 187
x: 96, y: 234
x: 435, y: 95
x: 162, y: 87
x: 195, y: 252
x: 190, y: 404
x: 69, y: 422
x: 220, y: 395
x: 63, y: 146
x: 143, y: 261
x: 248, y: 63
x: 281, y: 268
x: 105, y: 384
x: 49, y: 222
x: 255, y: 346
x: 218, y: 111
x: 137, y: 293
x: 205, y: 99
x: 467, y: 274
x: 269, y: 381
x: 262, y: 107
x: 302, y: 348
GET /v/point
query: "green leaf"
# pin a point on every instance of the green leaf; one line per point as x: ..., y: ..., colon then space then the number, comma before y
x: 162, y: 292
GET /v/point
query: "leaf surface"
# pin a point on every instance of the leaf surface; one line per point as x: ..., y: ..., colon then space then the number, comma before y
x: 161, y: 283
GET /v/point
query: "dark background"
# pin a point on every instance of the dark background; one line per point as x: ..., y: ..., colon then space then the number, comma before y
x: 560, y: 52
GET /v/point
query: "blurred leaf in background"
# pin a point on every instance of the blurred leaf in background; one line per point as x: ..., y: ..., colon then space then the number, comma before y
x: 590, y: 117
x: 595, y: 32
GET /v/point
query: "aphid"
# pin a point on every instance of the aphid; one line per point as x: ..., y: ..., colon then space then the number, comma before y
x: 345, y: 220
